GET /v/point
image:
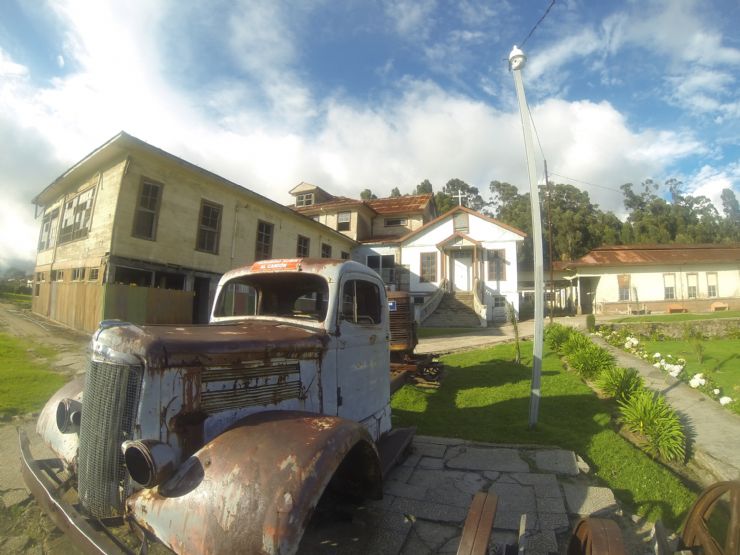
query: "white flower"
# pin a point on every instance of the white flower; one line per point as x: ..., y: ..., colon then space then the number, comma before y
x: 725, y: 400
x: 656, y: 355
x: 656, y: 365
x: 715, y: 391
x: 697, y: 380
x: 682, y: 361
x: 699, y: 376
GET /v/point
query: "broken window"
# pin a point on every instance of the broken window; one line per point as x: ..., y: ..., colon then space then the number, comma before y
x: 303, y: 246
x: 209, y: 227
x: 147, y: 210
x: 49, y: 224
x: 77, y: 216
x: 325, y: 250
x: 304, y: 199
x: 360, y: 302
x: 263, y: 248
x: 282, y: 294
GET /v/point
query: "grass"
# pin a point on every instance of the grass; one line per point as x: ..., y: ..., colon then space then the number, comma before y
x: 26, y: 382
x: 485, y: 397
x: 721, y: 361
x: 423, y: 333
x: 680, y: 317
x: 23, y: 301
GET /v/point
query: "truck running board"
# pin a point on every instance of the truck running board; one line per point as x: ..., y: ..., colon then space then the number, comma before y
x: 392, y: 446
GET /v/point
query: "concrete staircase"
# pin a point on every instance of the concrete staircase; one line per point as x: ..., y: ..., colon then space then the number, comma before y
x: 455, y: 310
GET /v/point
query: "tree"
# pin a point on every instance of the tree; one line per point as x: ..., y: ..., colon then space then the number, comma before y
x: 395, y: 192
x: 424, y: 188
x: 367, y: 194
x: 470, y: 195
x: 731, y: 209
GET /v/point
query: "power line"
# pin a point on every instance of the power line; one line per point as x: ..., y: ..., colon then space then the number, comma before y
x: 586, y: 182
x: 547, y: 11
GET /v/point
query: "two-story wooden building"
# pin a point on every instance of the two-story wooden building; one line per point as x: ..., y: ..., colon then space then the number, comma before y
x: 136, y: 233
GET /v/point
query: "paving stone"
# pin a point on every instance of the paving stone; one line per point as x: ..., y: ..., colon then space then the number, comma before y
x: 540, y: 543
x: 412, y: 460
x: 589, y: 500
x: 429, y: 510
x: 477, y: 458
x: 558, y: 461
x: 383, y: 503
x: 438, y: 440
x: 434, y: 535
x: 409, y: 491
x: 429, y: 449
x: 432, y: 463
x: 451, y: 494
x: 545, y: 485
x: 451, y: 546
x: 557, y: 522
x: 502, y: 538
x: 509, y: 520
x: 431, y: 478
x: 400, y: 473
x: 492, y: 475
x: 550, y: 504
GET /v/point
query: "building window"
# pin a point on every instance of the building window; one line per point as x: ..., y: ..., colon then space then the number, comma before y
x: 428, y: 271
x: 692, y: 288
x: 325, y: 250
x: 48, y: 234
x: 147, y: 211
x: 302, y: 247
x: 460, y: 221
x: 499, y: 301
x: 40, y: 276
x: 712, y: 284
x: 345, y: 255
x: 393, y: 222
x: 209, y: 227
x: 669, y: 286
x: 361, y: 302
x: 57, y: 275
x: 93, y: 274
x: 496, y: 264
x: 77, y: 217
x: 623, y: 282
x: 78, y: 274
x: 263, y: 248
x: 304, y: 199
x: 344, y: 220
x: 384, y: 264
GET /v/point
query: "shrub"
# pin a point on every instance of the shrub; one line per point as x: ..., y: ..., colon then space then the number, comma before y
x: 556, y: 335
x: 574, y: 343
x: 590, y: 360
x: 648, y: 415
x: 591, y: 323
x: 619, y: 383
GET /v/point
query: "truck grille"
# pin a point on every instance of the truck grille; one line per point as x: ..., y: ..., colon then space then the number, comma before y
x: 108, y: 414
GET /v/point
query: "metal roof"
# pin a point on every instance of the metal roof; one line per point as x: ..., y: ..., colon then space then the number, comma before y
x: 642, y: 255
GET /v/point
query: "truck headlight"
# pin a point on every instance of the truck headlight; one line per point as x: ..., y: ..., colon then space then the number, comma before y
x: 149, y: 461
x: 69, y: 414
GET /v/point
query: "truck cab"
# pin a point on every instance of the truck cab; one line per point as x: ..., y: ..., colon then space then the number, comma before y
x: 239, y: 425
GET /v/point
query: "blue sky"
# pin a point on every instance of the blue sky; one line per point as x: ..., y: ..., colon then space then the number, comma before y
x: 360, y: 94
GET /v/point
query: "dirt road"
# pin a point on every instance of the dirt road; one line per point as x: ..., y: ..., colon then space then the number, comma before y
x: 23, y: 526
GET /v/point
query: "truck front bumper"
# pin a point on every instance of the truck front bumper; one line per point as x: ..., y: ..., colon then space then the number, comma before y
x: 40, y: 477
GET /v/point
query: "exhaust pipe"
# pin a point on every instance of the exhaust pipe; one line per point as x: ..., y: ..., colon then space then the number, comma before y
x: 149, y: 461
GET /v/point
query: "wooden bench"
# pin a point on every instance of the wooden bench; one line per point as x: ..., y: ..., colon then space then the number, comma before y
x: 478, y: 524
x: 718, y: 305
x: 675, y: 308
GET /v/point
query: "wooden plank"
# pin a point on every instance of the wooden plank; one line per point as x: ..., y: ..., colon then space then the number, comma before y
x: 478, y: 524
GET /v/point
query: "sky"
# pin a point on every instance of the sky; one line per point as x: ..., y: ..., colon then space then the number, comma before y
x: 370, y: 94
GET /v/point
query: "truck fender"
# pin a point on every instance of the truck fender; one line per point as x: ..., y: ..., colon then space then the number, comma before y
x: 253, y: 488
x: 63, y: 445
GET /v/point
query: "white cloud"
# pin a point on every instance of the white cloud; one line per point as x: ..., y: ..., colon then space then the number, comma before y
x: 10, y: 69
x: 411, y: 18
x: 710, y: 181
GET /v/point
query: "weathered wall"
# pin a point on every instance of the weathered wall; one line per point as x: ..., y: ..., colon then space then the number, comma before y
x: 658, y: 307
x: 677, y: 330
x: 147, y: 305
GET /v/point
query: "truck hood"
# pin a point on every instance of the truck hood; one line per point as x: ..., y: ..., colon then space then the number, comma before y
x: 212, y: 344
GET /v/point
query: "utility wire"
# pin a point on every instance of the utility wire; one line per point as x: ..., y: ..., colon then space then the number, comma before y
x: 547, y: 11
x: 586, y: 182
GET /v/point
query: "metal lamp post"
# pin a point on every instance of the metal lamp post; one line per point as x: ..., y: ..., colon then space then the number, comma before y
x: 517, y: 59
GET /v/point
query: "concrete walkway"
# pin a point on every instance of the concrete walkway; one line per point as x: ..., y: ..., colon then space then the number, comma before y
x: 427, y: 497
x: 714, y: 433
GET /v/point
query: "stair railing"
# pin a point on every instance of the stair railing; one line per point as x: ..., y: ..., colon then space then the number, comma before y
x: 480, y: 308
x: 423, y: 311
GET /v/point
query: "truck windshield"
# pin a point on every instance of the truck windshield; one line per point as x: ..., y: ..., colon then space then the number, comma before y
x: 288, y: 295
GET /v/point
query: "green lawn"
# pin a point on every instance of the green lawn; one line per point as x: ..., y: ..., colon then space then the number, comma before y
x: 423, y: 333
x: 681, y: 317
x: 485, y: 397
x: 721, y: 361
x: 26, y: 382
x: 23, y: 301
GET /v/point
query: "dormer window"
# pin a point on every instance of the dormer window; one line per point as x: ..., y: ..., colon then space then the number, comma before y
x: 344, y: 221
x: 304, y: 199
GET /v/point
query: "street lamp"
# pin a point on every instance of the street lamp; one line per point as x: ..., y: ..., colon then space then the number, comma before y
x: 517, y: 60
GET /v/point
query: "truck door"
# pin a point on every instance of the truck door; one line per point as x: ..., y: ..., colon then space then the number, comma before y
x: 363, y: 359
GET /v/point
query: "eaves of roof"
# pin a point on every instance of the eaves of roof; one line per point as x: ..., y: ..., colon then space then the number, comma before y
x: 647, y: 255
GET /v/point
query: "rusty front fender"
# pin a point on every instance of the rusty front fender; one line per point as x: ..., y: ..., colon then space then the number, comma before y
x: 253, y: 488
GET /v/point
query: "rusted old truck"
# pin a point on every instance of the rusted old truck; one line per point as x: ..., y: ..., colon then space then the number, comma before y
x: 222, y: 438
